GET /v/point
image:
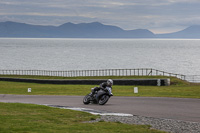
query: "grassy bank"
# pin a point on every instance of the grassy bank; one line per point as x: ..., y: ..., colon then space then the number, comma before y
x: 174, y: 80
x: 88, y: 77
x: 177, y: 89
x: 15, y: 117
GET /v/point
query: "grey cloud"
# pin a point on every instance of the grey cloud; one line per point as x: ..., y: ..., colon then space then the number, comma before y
x: 129, y: 14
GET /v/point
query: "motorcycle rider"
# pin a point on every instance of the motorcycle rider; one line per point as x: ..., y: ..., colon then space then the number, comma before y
x: 103, y: 85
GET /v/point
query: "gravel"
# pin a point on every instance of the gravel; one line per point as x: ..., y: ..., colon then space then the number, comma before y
x: 168, y: 125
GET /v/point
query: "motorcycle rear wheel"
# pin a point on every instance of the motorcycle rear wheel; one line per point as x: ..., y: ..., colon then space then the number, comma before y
x: 104, y: 99
x: 86, y: 99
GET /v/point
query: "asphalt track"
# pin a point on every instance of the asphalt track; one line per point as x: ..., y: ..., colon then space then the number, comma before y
x: 170, y: 108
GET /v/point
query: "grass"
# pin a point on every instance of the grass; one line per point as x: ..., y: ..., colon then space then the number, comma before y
x: 183, y: 91
x: 178, y: 88
x: 16, y: 117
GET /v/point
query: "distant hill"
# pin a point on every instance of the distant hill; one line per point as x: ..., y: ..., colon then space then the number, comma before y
x: 70, y: 30
x: 87, y: 30
x: 190, y: 32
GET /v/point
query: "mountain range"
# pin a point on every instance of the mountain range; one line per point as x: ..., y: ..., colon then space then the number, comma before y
x: 86, y: 30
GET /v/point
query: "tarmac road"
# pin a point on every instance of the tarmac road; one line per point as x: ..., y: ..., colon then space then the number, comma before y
x: 158, y: 107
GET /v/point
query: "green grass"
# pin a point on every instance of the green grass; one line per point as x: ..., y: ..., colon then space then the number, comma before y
x: 183, y: 91
x: 163, y: 91
x: 178, y: 88
x: 28, y: 118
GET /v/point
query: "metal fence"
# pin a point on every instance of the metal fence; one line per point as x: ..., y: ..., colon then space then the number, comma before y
x: 193, y: 78
x: 103, y: 72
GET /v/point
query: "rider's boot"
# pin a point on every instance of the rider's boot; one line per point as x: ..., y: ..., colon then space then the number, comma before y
x: 92, y: 92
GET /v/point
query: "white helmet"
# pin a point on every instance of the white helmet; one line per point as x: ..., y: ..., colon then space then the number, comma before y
x: 110, y: 82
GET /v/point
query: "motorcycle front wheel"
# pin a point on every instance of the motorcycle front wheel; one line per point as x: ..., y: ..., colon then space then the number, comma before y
x: 86, y: 99
x: 104, y: 99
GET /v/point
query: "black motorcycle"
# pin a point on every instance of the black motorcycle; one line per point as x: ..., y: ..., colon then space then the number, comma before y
x: 100, y: 97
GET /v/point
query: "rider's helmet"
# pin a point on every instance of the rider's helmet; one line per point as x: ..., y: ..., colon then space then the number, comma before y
x: 110, y: 82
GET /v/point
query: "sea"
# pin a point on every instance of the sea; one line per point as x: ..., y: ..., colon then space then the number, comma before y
x: 180, y: 56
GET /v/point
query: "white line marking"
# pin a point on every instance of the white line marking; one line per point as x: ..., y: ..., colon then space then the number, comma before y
x: 91, y: 111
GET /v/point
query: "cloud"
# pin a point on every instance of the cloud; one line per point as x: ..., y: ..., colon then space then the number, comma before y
x: 129, y: 14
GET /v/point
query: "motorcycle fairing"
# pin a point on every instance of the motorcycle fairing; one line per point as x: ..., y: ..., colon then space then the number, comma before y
x: 100, y: 93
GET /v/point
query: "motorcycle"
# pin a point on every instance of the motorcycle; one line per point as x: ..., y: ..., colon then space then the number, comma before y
x: 100, y: 97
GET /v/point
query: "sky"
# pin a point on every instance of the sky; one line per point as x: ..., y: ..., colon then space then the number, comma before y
x: 158, y: 16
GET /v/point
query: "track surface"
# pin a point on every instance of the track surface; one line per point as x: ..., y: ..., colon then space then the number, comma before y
x: 170, y: 108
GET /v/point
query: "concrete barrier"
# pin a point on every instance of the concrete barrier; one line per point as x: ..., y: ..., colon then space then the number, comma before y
x: 143, y: 82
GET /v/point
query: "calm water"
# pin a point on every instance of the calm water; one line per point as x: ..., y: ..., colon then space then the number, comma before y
x: 176, y: 56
